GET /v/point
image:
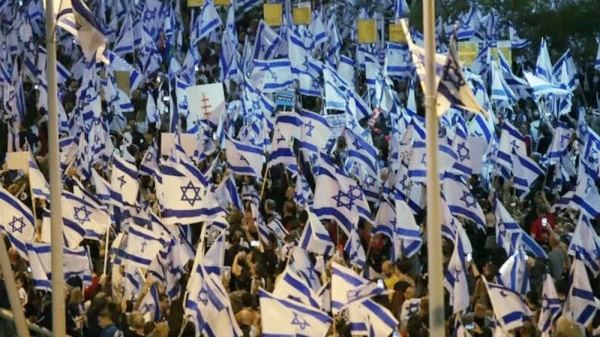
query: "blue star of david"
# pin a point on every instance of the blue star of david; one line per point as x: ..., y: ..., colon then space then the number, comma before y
x: 149, y: 157
x: 369, y: 181
x: 147, y: 307
x: 477, y: 133
x: 310, y: 127
x: 503, y: 294
x: 468, y: 199
x: 563, y: 139
x: 514, y: 144
x: 406, y: 58
x: 149, y: 15
x: 82, y: 215
x: 545, y: 303
x: 242, y: 158
x: 501, y: 228
x: 300, y: 322
x: 355, y: 193
x: 452, y: 76
x: 273, y: 75
x: 352, y: 124
x: 121, y: 179
x: 357, y: 145
x: 457, y: 275
x: 353, y: 294
x: 306, y: 63
x: 308, y: 34
x: 423, y: 160
x: 343, y: 200
x: 17, y: 225
x: 263, y: 47
x: 463, y: 152
x: 144, y: 244
x: 281, y: 139
x: 589, y: 185
x: 203, y: 296
x: 196, y: 193
x: 97, y: 139
x: 593, y: 158
x: 404, y: 182
x: 256, y: 105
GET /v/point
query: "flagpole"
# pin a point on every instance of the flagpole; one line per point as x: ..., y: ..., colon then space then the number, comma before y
x: 58, y: 284
x: 434, y: 221
x: 11, y: 289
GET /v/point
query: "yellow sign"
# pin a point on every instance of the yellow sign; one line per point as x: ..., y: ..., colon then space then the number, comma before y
x: 367, y: 31
x: 397, y: 33
x: 467, y: 52
x: 200, y: 3
x: 301, y: 15
x: 273, y: 14
x: 122, y: 78
x: 195, y: 3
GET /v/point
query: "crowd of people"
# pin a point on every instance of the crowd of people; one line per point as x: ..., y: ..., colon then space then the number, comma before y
x: 103, y: 305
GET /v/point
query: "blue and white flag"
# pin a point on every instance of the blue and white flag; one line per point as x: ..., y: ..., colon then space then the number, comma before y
x: 355, y: 250
x: 407, y: 239
x: 580, y: 304
x: 150, y: 305
x: 215, y: 256
x: 455, y: 278
x: 244, y: 159
x: 551, y: 305
x: 124, y: 182
x: 525, y: 172
x: 543, y: 66
x: 513, y: 274
x: 586, y: 196
x: 76, y: 18
x: 315, y: 131
x: 290, y: 285
x: 461, y: 201
x: 85, y: 214
x: 266, y: 42
x: 511, y: 140
x: 515, y: 41
x: 193, y: 202
x: 287, y: 318
x: 39, y: 186
x: 542, y: 87
x: 315, y: 238
x: 360, y: 151
x: 560, y: 141
x: 17, y: 221
x: 271, y: 75
x: 208, y: 20
x: 347, y: 287
x: 125, y: 42
x: 282, y: 153
x: 509, y: 309
x: 142, y: 246
x: 510, y: 235
x: 586, y: 243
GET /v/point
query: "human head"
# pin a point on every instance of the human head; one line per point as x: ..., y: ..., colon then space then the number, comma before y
x: 136, y: 321
x: 270, y: 206
x: 387, y: 268
x: 105, y: 319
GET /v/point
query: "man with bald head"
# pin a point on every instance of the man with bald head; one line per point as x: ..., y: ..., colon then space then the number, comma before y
x: 136, y: 325
x: 387, y: 268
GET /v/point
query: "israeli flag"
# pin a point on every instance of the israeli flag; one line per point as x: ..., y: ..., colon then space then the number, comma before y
x: 271, y: 76
x: 509, y: 309
x: 290, y: 285
x: 143, y: 246
x: 586, y: 243
x: 287, y: 318
x: 124, y: 182
x: 315, y: 238
x: 580, y: 304
x: 461, y: 201
x: 513, y: 274
x: 551, y: 305
x: 17, y: 221
x: 244, y: 159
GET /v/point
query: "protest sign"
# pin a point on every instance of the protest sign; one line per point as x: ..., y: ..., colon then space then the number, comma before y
x: 273, y: 14
x: 205, y: 102
x: 367, y: 31
x: 188, y: 143
x: 396, y: 33
x: 302, y: 13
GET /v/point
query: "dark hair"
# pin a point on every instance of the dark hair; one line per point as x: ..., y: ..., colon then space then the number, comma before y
x: 105, y: 313
x: 403, y: 265
x: 303, y: 216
